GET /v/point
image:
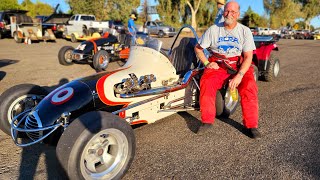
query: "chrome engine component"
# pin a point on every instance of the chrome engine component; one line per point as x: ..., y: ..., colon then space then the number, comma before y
x: 33, y: 122
x: 29, y: 123
x: 133, y: 84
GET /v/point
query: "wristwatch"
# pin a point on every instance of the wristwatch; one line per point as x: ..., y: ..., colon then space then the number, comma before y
x: 240, y: 73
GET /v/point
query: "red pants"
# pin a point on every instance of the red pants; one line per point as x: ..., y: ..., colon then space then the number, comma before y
x: 214, y: 79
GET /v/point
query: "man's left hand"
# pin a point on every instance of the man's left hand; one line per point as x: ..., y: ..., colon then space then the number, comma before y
x: 234, y: 82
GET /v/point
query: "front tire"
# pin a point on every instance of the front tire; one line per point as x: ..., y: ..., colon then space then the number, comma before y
x: 65, y: 55
x: 273, y: 69
x: 16, y: 100
x: 97, y: 145
x: 101, y: 60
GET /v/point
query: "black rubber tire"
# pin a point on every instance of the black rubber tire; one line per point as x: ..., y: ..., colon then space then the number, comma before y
x: 221, y: 110
x: 255, y: 73
x: 97, y: 61
x: 219, y: 103
x: 73, y: 38
x: 160, y: 34
x: 62, y: 55
x: 74, y: 139
x: 273, y: 68
x: 16, y: 38
x: 12, y: 94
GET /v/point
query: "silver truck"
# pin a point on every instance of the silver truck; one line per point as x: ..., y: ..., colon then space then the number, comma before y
x: 160, y: 29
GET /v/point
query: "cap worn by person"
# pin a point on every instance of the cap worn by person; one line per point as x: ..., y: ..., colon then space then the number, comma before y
x: 221, y: 2
x: 133, y: 16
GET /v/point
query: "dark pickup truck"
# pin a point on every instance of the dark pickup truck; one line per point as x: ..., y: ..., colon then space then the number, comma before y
x: 55, y: 22
x: 5, y: 28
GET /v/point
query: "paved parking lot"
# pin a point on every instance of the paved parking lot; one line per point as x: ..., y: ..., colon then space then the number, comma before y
x: 169, y: 149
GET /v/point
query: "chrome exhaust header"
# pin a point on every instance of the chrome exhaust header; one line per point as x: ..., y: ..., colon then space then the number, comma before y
x: 32, y: 127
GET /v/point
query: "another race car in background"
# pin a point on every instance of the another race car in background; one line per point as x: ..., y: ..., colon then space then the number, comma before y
x: 98, y: 52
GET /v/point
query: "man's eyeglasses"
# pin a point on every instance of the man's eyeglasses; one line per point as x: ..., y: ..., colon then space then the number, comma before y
x: 231, y: 12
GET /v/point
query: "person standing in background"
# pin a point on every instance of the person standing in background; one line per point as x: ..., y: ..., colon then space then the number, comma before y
x: 219, y: 17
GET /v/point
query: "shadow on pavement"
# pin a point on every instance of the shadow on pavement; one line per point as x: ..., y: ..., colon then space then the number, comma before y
x: 6, y: 62
x: 192, y: 122
x: 235, y: 124
x: 30, y: 156
x: 2, y: 75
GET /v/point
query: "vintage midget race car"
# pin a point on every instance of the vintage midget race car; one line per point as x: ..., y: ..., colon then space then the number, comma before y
x: 98, y: 52
x: 90, y: 119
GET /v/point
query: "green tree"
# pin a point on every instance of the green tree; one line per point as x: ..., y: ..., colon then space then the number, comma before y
x: 281, y: 12
x: 169, y: 12
x: 172, y: 11
x: 121, y: 9
x: 104, y: 9
x: 207, y: 13
x: 252, y: 19
x: 9, y: 4
x: 309, y: 9
x: 37, y: 8
x: 43, y: 9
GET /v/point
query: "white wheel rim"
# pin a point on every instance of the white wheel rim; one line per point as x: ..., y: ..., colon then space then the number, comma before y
x: 276, y: 69
x: 105, y: 155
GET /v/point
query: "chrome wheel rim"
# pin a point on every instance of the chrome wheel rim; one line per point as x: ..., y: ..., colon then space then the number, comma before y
x: 229, y: 103
x: 68, y: 56
x: 105, y: 155
x: 22, y: 104
x: 103, y: 61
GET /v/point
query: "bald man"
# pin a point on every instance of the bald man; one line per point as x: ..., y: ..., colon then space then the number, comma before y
x: 234, y: 41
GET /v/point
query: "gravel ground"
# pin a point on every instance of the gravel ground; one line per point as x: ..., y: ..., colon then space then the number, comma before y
x: 169, y: 149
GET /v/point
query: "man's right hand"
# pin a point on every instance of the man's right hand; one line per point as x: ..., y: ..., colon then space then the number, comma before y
x: 212, y: 65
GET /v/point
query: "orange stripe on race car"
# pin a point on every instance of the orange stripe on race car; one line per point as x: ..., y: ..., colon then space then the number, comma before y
x: 139, y: 122
x: 102, y: 95
x: 94, y: 45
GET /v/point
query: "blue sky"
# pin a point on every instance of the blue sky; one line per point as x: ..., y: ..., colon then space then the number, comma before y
x: 256, y: 5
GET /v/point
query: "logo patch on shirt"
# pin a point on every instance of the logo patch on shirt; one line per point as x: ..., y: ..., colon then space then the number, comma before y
x: 228, y: 39
x: 227, y: 49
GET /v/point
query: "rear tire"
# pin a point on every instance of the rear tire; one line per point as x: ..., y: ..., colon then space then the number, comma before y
x: 101, y: 60
x: 225, y: 106
x: 273, y: 68
x: 16, y: 100
x: 97, y: 145
x: 65, y: 55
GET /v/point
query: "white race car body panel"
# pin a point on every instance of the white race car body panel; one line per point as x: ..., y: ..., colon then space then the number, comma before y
x: 144, y: 61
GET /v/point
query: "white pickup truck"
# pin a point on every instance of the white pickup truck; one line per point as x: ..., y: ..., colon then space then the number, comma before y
x: 268, y: 31
x: 88, y: 21
x: 82, y: 25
